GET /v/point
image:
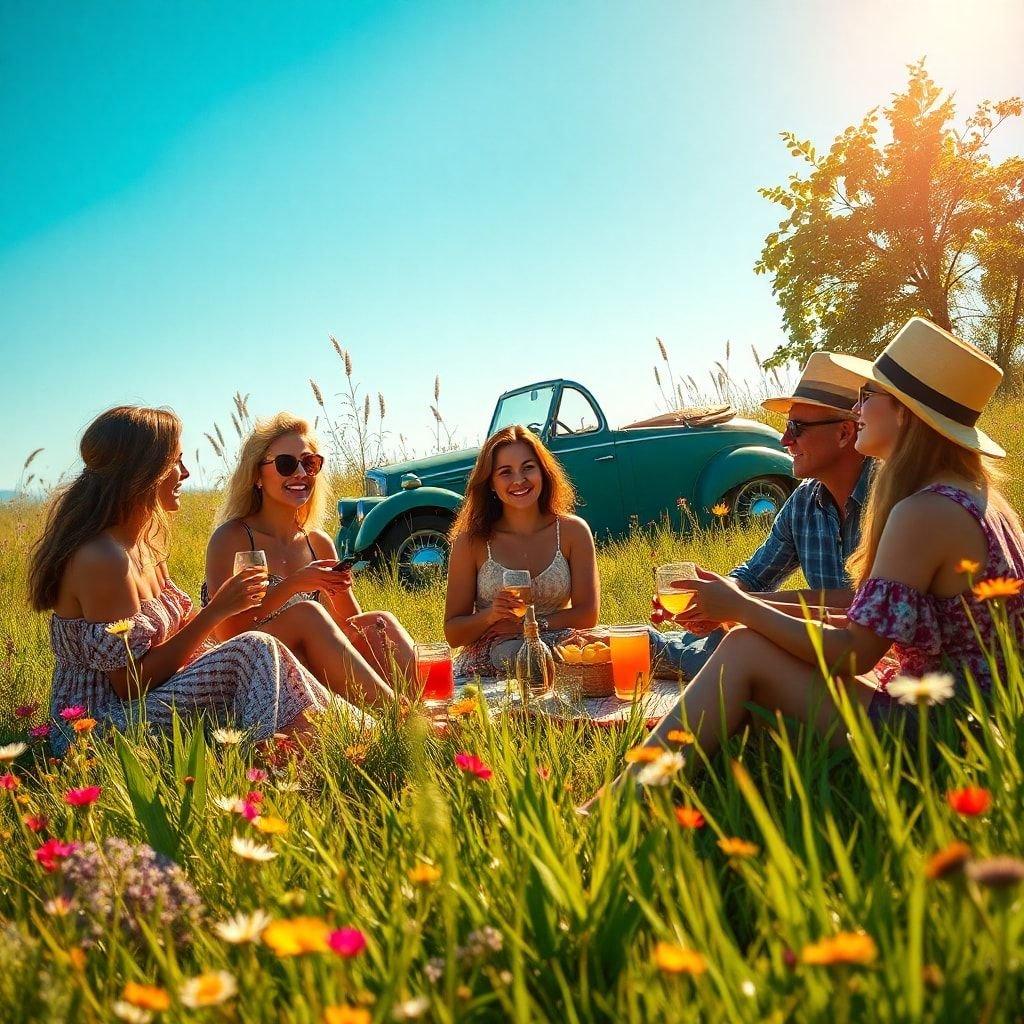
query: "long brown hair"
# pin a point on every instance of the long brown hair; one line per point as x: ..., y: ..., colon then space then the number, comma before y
x: 482, y: 508
x: 127, y: 451
x: 243, y: 498
x: 919, y: 456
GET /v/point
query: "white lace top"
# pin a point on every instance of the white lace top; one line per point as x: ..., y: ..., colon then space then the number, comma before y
x: 552, y: 588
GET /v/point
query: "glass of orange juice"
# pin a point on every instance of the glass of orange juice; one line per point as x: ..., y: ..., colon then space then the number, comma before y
x: 672, y: 599
x: 631, y: 660
x: 519, y: 583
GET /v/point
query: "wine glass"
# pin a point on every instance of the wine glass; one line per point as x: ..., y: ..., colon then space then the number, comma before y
x: 673, y: 600
x: 520, y: 584
x: 249, y: 560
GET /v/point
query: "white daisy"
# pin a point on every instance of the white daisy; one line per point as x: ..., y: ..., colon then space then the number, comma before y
x: 662, y: 771
x: 228, y: 736
x: 229, y: 804
x: 59, y: 906
x: 932, y: 688
x: 411, y: 1009
x: 248, y: 850
x: 131, y: 1014
x: 12, y: 751
x: 208, y: 989
x: 243, y: 927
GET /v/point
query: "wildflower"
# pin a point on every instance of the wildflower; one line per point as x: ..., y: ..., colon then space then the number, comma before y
x: 997, y: 872
x: 12, y: 751
x: 347, y: 1015
x: 130, y: 1014
x: 242, y: 928
x: 229, y: 804
x: 26, y: 710
x: 662, y: 771
x: 721, y: 510
x: 209, y: 989
x: 77, y: 958
x: 967, y: 567
x: 480, y: 943
x: 9, y: 781
x: 39, y: 732
x: 931, y: 688
x: 288, y: 786
x: 463, y: 707
x: 228, y: 737
x: 642, y: 755
x: 256, y: 775
x: 73, y: 712
x: 347, y: 942
x: 84, y: 725
x: 269, y: 825
x: 297, y: 935
x: 59, y: 906
x: 680, y: 736
x: 83, y: 797
x: 689, y: 817
x: 411, y: 1009
x: 424, y: 874
x: 681, y: 503
x: 120, y: 628
x: 356, y: 752
x: 146, y: 997
x: 947, y: 861
x: 472, y: 765
x: 998, y: 588
x: 674, y: 959
x: 739, y: 848
x: 544, y: 772
x: 844, y: 948
x: 969, y: 801
x: 52, y: 852
x: 248, y: 850
x: 36, y: 822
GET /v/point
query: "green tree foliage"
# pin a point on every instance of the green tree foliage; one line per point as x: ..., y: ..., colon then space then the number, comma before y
x: 905, y: 214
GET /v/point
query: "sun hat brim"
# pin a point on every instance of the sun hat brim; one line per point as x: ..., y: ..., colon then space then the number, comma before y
x: 967, y: 437
x: 783, y: 405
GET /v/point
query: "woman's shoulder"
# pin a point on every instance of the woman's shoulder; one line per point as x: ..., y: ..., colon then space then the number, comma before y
x: 323, y: 543
x: 575, y: 528
x: 101, y: 558
x: 228, y: 536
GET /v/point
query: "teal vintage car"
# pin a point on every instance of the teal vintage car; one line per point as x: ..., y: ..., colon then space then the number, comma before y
x: 625, y: 478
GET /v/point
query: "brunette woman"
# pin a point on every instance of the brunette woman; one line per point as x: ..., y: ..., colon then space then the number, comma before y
x: 517, y: 514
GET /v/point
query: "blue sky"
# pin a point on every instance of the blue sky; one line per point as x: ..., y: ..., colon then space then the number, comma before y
x: 195, y: 194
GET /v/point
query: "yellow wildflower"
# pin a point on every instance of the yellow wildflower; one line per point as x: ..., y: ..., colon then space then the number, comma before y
x: 677, y: 960
x: 721, y: 510
x: 994, y: 589
x: 297, y: 936
x: 844, y: 948
x: 270, y: 825
x: 967, y: 567
x: 643, y: 755
x: 120, y: 628
x: 146, y: 997
x: 680, y: 736
x: 424, y: 874
x: 346, y: 1015
x: 734, y: 847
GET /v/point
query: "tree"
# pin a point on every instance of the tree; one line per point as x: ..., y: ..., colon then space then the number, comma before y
x: 920, y: 222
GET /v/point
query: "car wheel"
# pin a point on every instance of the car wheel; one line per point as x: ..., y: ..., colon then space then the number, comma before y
x: 418, y: 545
x: 758, y: 500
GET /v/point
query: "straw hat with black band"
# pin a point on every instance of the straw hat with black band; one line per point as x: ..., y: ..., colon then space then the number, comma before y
x: 938, y: 377
x: 823, y: 383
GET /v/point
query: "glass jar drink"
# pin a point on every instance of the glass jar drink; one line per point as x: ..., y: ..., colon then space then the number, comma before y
x: 434, y: 674
x: 671, y: 598
x: 631, y: 660
x: 519, y: 583
x: 250, y: 560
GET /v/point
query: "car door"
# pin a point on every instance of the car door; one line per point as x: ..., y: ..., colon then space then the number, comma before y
x: 578, y: 436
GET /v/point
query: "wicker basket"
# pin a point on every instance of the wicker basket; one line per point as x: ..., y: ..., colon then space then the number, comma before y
x: 587, y: 680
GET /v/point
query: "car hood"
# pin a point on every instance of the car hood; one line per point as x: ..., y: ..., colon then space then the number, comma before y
x: 434, y: 467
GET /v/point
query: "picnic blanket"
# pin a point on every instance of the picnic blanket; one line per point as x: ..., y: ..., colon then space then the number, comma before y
x: 661, y: 698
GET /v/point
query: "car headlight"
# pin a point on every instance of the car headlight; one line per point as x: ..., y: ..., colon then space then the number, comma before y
x: 376, y: 485
x: 360, y: 511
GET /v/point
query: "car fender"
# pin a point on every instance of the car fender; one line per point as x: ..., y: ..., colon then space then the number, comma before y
x: 385, y: 512
x: 731, y: 468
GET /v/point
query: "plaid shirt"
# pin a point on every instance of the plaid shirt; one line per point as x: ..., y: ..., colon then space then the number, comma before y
x: 807, y: 534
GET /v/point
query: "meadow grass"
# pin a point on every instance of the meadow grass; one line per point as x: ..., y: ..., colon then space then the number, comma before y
x: 532, y: 913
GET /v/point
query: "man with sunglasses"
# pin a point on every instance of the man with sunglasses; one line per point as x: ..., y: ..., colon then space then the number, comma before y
x: 819, y: 525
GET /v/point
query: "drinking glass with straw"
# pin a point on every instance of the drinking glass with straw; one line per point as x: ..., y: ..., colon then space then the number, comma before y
x: 520, y: 584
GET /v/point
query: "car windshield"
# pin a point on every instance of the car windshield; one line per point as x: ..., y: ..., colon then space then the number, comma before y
x: 524, y: 408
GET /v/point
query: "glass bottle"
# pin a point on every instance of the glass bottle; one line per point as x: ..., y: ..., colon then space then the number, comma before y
x: 535, y: 664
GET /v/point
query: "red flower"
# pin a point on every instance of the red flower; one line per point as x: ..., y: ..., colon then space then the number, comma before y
x: 39, y: 732
x: 472, y: 765
x: 250, y: 811
x: 544, y: 772
x: 689, y: 817
x: 347, y: 942
x: 969, y: 801
x: 52, y: 852
x: 70, y: 714
x: 9, y: 781
x: 254, y: 798
x: 83, y: 797
x: 26, y: 710
x: 256, y: 775
x: 37, y: 822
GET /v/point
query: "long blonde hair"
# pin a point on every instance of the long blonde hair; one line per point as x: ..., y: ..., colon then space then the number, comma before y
x: 919, y: 456
x: 127, y: 452
x: 243, y: 498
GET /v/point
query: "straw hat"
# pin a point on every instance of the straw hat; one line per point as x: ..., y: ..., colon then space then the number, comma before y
x: 941, y: 379
x: 823, y: 383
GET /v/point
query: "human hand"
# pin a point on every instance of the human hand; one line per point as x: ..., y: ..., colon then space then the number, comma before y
x: 698, y: 627
x: 321, y: 575
x: 507, y: 607
x: 238, y: 593
x: 715, y: 599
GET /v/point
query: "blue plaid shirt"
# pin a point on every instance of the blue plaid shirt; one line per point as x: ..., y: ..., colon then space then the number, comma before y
x: 807, y: 534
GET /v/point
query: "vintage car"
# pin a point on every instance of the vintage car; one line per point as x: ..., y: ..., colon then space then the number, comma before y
x: 625, y: 478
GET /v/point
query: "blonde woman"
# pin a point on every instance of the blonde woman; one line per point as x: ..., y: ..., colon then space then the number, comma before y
x: 275, y: 503
x: 935, y: 521
x: 128, y: 644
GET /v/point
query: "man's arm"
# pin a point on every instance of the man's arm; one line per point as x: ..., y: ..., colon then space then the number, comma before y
x: 776, y: 559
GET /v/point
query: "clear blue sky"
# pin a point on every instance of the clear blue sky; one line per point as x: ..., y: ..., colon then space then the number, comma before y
x: 195, y: 194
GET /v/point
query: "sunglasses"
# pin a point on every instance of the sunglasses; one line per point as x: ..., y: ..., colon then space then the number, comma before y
x: 866, y: 391
x: 794, y: 428
x: 287, y: 465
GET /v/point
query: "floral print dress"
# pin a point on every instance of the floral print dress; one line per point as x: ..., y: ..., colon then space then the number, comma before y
x: 932, y: 633
x: 251, y: 680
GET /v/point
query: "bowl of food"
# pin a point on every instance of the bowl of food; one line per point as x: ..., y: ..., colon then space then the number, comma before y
x: 584, y: 664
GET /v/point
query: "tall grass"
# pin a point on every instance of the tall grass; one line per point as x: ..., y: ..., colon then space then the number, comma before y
x: 578, y: 906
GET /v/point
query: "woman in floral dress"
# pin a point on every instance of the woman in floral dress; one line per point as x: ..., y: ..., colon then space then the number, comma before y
x: 128, y: 643
x: 935, y: 525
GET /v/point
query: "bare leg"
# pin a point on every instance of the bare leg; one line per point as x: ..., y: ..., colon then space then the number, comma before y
x: 386, y: 645
x: 318, y: 642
